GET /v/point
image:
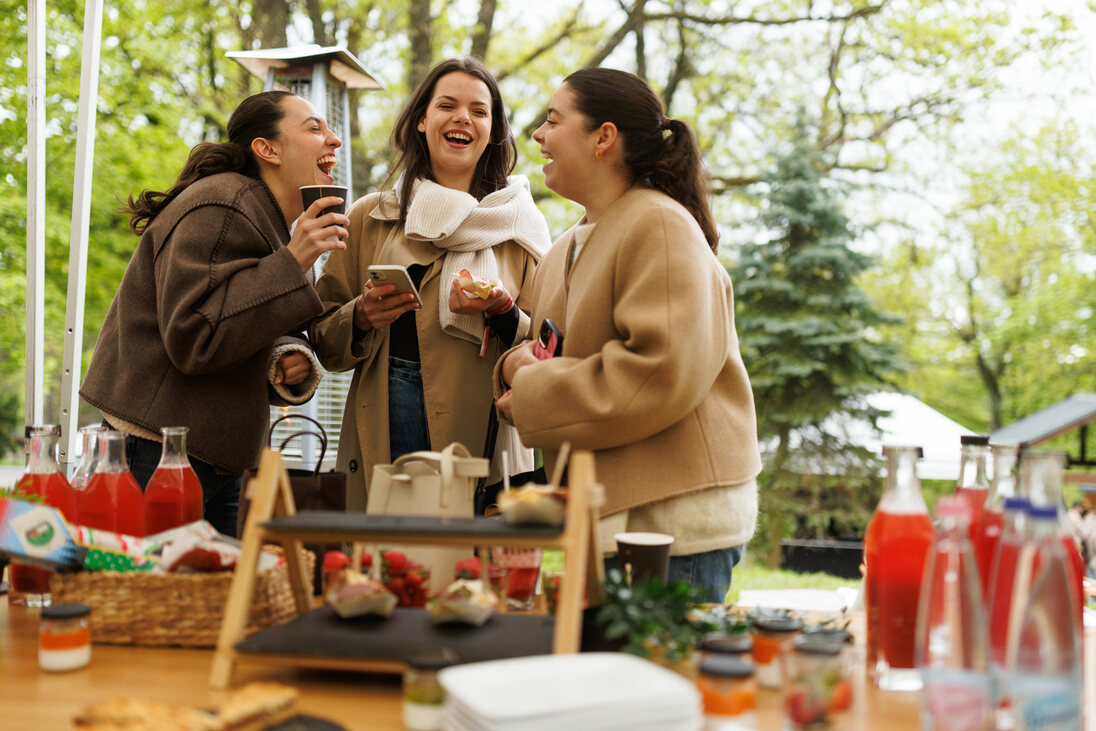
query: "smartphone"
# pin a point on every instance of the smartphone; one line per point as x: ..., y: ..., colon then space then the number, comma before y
x: 549, y: 343
x: 397, y: 275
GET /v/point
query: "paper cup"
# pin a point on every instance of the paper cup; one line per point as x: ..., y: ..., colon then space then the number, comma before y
x: 311, y: 193
x: 648, y: 554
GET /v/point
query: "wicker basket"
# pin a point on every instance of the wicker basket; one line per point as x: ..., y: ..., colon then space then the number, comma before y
x: 184, y: 610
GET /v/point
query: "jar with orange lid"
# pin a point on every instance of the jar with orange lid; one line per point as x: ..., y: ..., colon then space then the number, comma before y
x: 727, y: 685
x: 64, y: 637
x: 773, y: 633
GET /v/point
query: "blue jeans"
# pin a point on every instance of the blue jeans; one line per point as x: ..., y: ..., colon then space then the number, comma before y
x: 220, y: 488
x: 407, y: 428
x: 709, y: 573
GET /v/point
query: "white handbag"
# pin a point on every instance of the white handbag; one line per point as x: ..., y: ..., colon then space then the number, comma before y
x: 440, y: 484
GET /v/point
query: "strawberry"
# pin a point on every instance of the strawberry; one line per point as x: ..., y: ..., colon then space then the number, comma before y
x: 841, y: 696
x: 413, y: 580
x: 395, y: 562
x: 468, y: 568
x: 804, y: 709
x: 367, y: 560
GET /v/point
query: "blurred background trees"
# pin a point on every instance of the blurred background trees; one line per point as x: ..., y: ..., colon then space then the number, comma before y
x: 950, y: 138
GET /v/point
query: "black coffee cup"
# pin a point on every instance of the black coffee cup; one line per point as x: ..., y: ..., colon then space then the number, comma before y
x: 648, y: 555
x: 312, y: 193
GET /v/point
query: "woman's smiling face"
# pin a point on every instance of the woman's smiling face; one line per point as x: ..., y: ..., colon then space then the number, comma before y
x: 568, y: 146
x: 457, y: 127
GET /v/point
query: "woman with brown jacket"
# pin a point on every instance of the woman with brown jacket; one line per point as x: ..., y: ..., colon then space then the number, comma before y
x: 422, y: 377
x: 650, y: 377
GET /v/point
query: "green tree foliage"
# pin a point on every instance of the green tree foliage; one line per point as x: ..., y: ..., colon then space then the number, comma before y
x: 999, y: 304
x: 811, y: 342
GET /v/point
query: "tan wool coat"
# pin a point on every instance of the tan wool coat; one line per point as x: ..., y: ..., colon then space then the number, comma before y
x: 650, y: 377
x: 456, y: 380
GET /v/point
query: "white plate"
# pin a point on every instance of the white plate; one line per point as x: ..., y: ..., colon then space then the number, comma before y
x: 588, y: 685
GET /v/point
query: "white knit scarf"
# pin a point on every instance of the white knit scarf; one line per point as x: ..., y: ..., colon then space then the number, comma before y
x: 468, y: 229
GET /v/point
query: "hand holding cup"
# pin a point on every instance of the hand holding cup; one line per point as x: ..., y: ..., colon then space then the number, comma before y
x: 321, y: 227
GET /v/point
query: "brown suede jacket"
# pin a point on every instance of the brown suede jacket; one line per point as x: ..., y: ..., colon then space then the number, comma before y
x: 188, y: 337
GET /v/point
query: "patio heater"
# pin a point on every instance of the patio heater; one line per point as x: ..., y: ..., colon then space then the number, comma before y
x: 323, y: 75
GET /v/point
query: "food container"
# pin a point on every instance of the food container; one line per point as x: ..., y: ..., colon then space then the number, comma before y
x: 772, y: 637
x: 737, y: 644
x: 817, y: 686
x: 423, y: 696
x: 64, y: 637
x: 727, y: 685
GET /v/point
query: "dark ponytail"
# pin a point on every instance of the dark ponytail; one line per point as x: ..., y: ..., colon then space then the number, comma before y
x: 660, y: 152
x: 257, y: 116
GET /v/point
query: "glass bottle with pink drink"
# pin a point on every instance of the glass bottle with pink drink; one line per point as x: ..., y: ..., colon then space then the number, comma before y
x: 173, y: 496
x: 89, y: 457
x: 112, y: 500
x: 43, y: 478
x: 895, y: 545
x: 974, y: 484
x: 1002, y: 487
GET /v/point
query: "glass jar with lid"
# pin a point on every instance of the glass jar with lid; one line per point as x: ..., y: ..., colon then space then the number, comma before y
x: 817, y: 686
x: 423, y: 695
x: 64, y: 637
x: 773, y: 633
x: 727, y: 685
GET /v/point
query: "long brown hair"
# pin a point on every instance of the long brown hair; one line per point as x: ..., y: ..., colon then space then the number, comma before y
x: 658, y: 151
x: 259, y: 115
x: 409, y: 145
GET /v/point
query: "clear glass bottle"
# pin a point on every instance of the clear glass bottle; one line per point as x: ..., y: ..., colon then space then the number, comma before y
x: 81, y: 476
x: 952, y: 643
x: 1043, y: 653
x: 992, y: 521
x: 1041, y: 478
x: 974, y: 483
x: 173, y: 495
x: 43, y: 478
x: 1009, y: 556
x: 895, y: 545
x: 112, y: 501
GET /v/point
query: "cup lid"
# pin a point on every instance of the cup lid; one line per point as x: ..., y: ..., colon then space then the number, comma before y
x: 726, y: 642
x: 725, y: 666
x: 66, y: 611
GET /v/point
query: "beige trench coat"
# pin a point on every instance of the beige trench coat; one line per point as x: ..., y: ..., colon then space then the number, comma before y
x: 456, y: 380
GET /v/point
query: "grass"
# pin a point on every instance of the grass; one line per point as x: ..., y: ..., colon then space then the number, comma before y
x: 752, y: 576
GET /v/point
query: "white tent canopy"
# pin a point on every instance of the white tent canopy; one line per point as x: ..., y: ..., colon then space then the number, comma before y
x: 911, y: 422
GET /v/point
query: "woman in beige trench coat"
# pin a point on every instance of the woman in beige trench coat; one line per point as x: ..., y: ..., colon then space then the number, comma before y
x: 422, y: 377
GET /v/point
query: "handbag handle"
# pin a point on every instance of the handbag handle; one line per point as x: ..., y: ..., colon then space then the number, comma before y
x: 445, y: 460
x: 321, y: 434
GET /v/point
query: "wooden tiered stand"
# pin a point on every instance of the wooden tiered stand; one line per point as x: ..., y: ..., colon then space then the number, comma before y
x: 317, y: 638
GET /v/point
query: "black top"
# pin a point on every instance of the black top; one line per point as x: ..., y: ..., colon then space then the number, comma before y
x: 65, y: 611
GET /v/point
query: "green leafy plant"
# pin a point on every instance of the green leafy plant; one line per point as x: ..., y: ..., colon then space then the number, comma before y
x: 656, y: 617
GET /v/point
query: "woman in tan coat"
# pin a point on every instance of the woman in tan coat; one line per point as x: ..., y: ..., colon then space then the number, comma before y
x: 422, y: 377
x: 650, y: 376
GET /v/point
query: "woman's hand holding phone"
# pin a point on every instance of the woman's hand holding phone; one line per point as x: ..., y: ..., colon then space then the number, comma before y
x: 378, y: 306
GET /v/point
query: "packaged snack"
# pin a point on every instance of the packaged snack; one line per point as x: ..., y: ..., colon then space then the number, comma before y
x: 466, y: 601
x: 357, y: 595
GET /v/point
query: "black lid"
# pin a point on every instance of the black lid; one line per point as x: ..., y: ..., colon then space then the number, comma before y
x: 65, y: 611
x: 776, y: 622
x: 727, y: 642
x: 725, y: 666
x: 833, y: 634
x: 433, y: 659
x: 815, y: 643
x: 975, y: 439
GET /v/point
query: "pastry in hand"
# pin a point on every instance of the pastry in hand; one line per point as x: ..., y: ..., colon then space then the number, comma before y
x: 477, y: 286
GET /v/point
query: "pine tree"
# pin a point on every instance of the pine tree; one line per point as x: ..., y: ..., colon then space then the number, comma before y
x: 810, y: 342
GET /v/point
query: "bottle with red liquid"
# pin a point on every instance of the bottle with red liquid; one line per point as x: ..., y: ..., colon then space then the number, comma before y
x: 89, y: 457
x: 173, y: 495
x: 974, y: 484
x: 29, y: 584
x: 895, y: 546
x: 1041, y: 480
x: 1010, y: 561
x: 1002, y: 487
x: 112, y: 500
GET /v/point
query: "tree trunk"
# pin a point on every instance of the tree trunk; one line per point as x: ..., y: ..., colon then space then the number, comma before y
x: 776, y: 514
x: 419, y: 30
x: 319, y: 32
x: 481, y: 36
x: 270, y: 19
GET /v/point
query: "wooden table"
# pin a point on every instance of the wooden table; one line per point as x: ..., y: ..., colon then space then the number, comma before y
x: 34, y: 699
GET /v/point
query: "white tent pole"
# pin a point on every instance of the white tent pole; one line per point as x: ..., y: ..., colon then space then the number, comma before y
x: 34, y: 358
x: 78, y: 239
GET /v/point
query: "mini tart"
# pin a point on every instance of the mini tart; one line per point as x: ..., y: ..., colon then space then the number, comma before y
x: 533, y: 505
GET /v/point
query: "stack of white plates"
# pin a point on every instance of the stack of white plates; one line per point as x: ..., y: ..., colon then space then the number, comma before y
x: 593, y: 691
